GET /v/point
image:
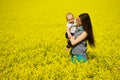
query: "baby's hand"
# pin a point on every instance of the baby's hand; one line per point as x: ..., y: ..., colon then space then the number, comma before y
x: 68, y: 29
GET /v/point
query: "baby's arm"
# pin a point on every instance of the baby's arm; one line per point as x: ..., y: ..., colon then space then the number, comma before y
x: 69, y: 43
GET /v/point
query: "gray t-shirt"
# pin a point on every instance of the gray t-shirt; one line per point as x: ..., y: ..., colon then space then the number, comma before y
x: 81, y: 47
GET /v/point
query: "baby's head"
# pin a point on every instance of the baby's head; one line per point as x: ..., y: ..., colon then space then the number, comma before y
x: 70, y: 18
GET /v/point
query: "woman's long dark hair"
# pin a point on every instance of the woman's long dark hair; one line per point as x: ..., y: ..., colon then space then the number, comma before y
x: 86, y: 22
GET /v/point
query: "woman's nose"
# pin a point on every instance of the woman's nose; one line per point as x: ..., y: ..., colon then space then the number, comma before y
x: 76, y: 20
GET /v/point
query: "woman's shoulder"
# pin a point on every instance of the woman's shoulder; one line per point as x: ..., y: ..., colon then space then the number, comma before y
x: 80, y: 28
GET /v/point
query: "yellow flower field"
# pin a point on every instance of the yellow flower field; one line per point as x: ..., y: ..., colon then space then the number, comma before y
x: 32, y: 40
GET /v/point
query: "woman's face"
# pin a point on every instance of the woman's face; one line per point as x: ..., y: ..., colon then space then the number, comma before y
x: 78, y: 20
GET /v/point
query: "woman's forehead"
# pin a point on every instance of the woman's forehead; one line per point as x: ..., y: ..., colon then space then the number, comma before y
x: 77, y: 18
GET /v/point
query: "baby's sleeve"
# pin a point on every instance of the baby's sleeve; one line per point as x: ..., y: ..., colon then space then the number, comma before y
x: 68, y: 25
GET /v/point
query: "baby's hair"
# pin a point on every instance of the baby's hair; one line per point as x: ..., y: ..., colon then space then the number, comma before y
x: 69, y: 13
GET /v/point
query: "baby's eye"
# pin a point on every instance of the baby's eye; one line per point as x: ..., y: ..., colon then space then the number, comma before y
x: 68, y: 20
x: 71, y: 19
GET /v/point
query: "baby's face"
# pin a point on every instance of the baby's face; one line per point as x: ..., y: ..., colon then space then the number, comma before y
x: 70, y: 19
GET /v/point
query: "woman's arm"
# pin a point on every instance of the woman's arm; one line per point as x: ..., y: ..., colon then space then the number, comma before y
x: 78, y: 39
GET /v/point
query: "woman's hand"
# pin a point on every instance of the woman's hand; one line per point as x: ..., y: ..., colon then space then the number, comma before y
x: 72, y: 37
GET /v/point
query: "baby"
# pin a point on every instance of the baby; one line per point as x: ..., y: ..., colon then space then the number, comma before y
x: 71, y: 23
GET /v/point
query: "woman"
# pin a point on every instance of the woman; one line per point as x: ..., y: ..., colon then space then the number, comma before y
x: 83, y: 34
